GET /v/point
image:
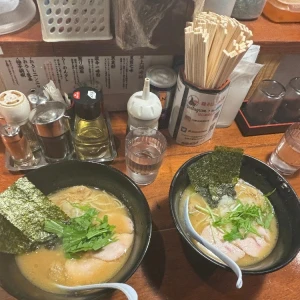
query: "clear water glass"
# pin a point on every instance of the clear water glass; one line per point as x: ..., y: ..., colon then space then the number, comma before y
x: 264, y: 102
x: 289, y: 110
x: 286, y: 157
x: 144, y: 151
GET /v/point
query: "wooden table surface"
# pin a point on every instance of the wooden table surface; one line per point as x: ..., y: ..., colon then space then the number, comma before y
x: 169, y: 270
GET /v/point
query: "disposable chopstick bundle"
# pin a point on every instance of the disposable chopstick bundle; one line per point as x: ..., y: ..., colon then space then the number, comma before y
x: 214, y: 45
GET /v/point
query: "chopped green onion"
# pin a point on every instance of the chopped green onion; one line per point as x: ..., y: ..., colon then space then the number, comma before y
x: 84, y: 233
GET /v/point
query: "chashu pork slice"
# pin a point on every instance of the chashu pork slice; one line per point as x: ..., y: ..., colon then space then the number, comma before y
x: 253, y: 246
x: 215, y: 237
x: 116, y: 249
x: 265, y: 233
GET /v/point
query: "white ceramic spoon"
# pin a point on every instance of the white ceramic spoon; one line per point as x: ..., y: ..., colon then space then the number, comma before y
x: 227, y: 260
x: 125, y: 288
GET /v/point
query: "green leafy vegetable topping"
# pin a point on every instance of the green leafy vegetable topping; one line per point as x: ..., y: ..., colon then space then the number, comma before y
x: 270, y: 193
x: 243, y: 219
x: 216, y: 174
x: 84, y: 233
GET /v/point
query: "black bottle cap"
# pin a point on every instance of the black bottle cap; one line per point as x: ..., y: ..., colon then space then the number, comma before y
x: 87, y: 103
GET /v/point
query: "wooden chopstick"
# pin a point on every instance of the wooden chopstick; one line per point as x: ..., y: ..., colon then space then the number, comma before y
x: 214, y: 45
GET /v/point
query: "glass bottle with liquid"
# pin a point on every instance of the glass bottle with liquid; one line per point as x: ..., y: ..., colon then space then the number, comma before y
x: 90, y: 131
x: 53, y: 130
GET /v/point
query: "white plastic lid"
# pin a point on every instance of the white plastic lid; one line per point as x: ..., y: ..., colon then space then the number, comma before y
x: 18, y: 18
x: 144, y: 109
x: 161, y: 76
x: 14, y: 107
x: 144, y: 105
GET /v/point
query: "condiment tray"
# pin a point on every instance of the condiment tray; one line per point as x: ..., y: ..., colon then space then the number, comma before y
x: 40, y: 160
x: 11, y: 166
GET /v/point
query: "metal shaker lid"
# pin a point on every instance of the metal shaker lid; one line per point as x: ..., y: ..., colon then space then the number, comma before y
x: 48, y: 119
x: 87, y: 103
x: 161, y: 76
x: 10, y: 133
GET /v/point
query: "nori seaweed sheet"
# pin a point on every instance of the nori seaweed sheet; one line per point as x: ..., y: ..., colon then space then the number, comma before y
x: 23, y: 211
x: 12, y: 241
x: 216, y: 174
x: 199, y: 172
x: 205, y: 193
x: 225, y: 165
x: 219, y: 190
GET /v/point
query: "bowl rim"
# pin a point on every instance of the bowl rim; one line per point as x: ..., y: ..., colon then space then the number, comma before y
x: 183, y: 234
x: 148, y: 221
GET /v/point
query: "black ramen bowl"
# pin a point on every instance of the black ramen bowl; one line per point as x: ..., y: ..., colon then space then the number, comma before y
x: 284, y: 201
x: 58, y: 176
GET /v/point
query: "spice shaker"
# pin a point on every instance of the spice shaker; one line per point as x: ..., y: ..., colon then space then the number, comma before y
x: 90, y: 131
x: 15, y: 109
x: 163, y: 84
x: 144, y: 108
x: 16, y: 144
x: 53, y: 130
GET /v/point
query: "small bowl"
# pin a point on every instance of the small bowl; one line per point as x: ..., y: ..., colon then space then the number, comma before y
x: 66, y: 174
x: 284, y: 201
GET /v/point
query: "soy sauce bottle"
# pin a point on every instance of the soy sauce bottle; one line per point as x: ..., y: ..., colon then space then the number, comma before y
x: 53, y: 131
x: 90, y: 131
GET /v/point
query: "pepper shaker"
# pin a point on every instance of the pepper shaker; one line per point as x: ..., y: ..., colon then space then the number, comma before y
x: 15, y: 109
x: 16, y: 144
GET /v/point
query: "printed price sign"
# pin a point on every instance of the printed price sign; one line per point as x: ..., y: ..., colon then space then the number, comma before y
x: 112, y: 74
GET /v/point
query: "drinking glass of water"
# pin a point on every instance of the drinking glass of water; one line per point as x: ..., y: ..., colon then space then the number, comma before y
x: 264, y: 102
x: 289, y: 109
x: 286, y: 157
x: 144, y: 151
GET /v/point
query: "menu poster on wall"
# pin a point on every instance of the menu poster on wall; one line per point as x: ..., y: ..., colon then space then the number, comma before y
x: 115, y: 74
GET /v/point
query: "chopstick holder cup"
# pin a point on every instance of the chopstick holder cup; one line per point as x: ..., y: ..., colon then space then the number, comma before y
x: 195, y: 111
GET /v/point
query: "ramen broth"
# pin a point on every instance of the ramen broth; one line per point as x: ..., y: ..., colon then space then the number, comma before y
x: 247, y: 194
x: 45, y: 267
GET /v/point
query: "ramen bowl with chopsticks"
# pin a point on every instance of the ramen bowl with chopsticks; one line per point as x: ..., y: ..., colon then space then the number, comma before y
x: 55, y: 177
x: 284, y: 201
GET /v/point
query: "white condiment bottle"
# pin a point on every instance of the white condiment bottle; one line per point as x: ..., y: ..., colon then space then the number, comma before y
x: 144, y: 108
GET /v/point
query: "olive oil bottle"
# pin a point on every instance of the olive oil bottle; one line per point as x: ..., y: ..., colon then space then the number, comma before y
x: 90, y: 131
